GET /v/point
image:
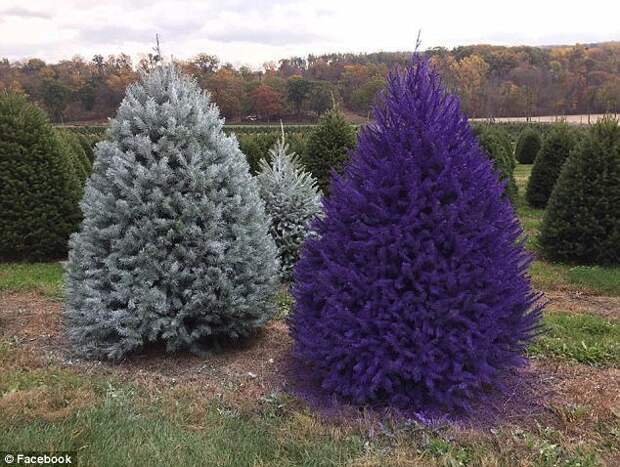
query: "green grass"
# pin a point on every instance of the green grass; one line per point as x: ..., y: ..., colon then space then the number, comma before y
x: 147, y: 425
x: 530, y: 218
x: 140, y: 439
x: 44, y: 278
x: 140, y: 436
x: 284, y: 301
x: 595, y: 280
x: 600, y: 279
x: 143, y: 426
x: 587, y: 339
x: 522, y: 174
x: 590, y: 279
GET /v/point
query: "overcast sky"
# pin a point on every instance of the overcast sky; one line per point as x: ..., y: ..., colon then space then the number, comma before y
x: 253, y: 32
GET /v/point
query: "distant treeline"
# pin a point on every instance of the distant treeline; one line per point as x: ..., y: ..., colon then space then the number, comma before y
x: 492, y: 81
x: 513, y: 129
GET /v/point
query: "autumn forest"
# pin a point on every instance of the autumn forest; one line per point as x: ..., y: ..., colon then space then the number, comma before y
x: 492, y: 81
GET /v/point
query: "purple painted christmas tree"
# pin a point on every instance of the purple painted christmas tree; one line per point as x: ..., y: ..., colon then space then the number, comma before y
x: 414, y: 293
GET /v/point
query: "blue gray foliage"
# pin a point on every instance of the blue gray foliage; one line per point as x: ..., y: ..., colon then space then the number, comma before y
x: 292, y: 200
x: 175, y: 243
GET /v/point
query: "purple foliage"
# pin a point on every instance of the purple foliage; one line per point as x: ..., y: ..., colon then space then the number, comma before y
x: 415, y: 291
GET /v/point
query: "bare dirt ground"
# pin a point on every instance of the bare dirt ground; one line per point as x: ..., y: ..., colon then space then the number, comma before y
x: 580, y: 303
x: 255, y: 369
x: 247, y: 372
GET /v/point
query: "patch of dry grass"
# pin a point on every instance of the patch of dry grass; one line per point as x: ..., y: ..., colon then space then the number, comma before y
x: 45, y: 403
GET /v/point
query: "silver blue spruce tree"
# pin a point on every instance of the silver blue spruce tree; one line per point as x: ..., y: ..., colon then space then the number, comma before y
x: 175, y: 244
x: 292, y: 200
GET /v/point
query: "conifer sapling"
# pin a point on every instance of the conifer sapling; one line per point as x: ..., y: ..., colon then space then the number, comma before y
x: 582, y: 220
x: 495, y: 144
x: 528, y: 146
x: 555, y: 149
x: 328, y: 147
x: 39, y: 188
x: 292, y: 200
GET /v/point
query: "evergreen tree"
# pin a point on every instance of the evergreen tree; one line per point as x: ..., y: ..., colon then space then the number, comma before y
x: 496, y: 145
x: 528, y: 146
x: 414, y: 291
x: 39, y: 192
x: 506, y: 142
x: 292, y: 200
x: 78, y: 160
x: 328, y: 147
x: 88, y: 142
x: 256, y: 148
x: 175, y: 243
x: 555, y: 149
x: 582, y: 220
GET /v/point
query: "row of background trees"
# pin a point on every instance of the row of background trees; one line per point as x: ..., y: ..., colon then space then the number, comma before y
x: 493, y: 81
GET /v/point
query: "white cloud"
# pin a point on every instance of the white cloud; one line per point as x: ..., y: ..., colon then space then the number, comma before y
x: 254, y: 31
x: 24, y: 13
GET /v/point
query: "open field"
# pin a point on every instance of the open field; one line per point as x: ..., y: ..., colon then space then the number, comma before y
x: 235, y: 408
x: 583, y: 119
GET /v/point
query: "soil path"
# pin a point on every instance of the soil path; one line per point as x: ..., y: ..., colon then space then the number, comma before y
x: 580, y: 303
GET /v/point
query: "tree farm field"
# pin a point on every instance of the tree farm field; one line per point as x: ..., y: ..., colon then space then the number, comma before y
x: 234, y: 407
